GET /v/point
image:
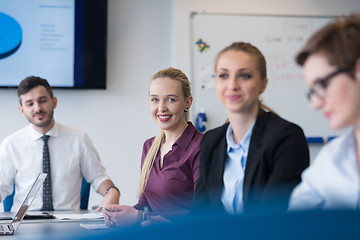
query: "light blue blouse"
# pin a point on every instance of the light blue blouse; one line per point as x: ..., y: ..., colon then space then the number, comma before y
x: 234, y: 171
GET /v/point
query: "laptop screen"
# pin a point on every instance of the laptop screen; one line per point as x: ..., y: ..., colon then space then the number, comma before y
x: 28, y: 200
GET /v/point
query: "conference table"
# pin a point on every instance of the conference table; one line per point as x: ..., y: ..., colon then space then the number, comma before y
x: 268, y: 225
x: 66, y: 225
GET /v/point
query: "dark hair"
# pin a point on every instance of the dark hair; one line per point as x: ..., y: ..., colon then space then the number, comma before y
x: 250, y: 49
x: 31, y: 82
x: 338, y: 41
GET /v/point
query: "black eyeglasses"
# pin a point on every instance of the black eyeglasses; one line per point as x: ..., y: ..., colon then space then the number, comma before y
x: 319, y: 87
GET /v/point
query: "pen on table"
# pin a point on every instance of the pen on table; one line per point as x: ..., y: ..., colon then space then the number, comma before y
x: 105, y: 208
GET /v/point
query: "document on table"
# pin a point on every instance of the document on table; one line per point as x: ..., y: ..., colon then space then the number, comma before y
x: 93, y: 226
x: 80, y: 216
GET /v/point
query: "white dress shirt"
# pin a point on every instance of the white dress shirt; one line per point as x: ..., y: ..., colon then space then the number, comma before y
x: 72, y: 155
x: 332, y: 181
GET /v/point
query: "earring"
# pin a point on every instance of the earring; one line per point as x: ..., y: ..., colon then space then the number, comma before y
x: 186, y: 109
x: 261, y: 99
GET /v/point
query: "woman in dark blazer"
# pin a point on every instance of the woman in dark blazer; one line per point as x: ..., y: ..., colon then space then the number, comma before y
x: 257, y: 158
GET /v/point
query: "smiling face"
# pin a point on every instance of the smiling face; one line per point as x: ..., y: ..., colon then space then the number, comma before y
x: 341, y: 101
x: 38, y: 107
x: 238, y: 82
x: 167, y: 104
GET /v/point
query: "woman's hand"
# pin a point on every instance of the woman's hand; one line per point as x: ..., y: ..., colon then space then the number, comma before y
x: 120, y: 215
x: 154, y: 219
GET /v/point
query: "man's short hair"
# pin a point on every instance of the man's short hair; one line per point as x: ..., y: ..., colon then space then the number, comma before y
x: 31, y: 82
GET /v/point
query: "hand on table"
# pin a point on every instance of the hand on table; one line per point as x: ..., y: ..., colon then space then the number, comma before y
x: 110, y: 199
x: 120, y: 215
x: 154, y: 220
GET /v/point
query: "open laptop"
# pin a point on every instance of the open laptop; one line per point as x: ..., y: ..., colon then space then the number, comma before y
x: 10, y: 228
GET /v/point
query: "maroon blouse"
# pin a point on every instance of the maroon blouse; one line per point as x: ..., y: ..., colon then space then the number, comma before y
x: 169, y: 191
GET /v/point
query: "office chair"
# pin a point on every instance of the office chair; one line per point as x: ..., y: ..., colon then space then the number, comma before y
x: 84, y: 197
x: 8, y: 201
x: 84, y: 194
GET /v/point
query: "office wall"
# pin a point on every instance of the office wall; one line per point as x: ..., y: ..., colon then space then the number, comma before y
x: 117, y: 119
x: 144, y: 36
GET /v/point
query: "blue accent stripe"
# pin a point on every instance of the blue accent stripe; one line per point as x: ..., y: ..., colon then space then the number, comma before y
x: 315, y: 140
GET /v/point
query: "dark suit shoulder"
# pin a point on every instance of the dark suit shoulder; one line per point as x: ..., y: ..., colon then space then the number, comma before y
x: 275, y: 123
x: 212, y: 137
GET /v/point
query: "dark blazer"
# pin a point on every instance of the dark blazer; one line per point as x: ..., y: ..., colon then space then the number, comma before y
x: 278, y: 153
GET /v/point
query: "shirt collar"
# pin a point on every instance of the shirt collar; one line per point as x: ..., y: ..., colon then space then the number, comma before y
x: 35, y: 135
x: 245, y: 142
x: 347, y: 141
x: 185, y: 139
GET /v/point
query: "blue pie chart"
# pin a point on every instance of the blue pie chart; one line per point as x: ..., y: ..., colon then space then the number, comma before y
x: 10, y: 35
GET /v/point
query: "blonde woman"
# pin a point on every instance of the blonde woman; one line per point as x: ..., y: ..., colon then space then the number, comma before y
x: 170, y: 161
x: 255, y: 159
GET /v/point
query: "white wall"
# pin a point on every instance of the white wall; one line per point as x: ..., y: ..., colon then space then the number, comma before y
x: 143, y: 37
x: 116, y: 119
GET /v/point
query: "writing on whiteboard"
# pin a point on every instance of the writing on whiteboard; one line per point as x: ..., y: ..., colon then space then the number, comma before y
x: 282, y: 67
x: 298, y: 26
x: 285, y: 39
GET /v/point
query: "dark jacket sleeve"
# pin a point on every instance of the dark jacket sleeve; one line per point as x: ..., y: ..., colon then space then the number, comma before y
x: 200, y: 195
x: 209, y: 185
x: 283, y: 154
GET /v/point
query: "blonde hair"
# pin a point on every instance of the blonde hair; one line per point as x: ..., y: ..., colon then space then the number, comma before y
x: 255, y: 52
x: 177, y: 75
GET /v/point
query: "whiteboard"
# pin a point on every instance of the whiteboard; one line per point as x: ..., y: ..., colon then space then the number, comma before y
x: 279, y: 38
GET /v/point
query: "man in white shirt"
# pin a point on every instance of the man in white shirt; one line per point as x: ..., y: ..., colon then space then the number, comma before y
x: 72, y: 154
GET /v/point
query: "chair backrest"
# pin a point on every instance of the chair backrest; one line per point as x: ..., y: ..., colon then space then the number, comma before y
x: 8, y: 201
x: 84, y: 197
x: 84, y: 194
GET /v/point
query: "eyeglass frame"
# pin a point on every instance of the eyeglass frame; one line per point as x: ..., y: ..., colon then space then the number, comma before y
x: 323, y: 83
